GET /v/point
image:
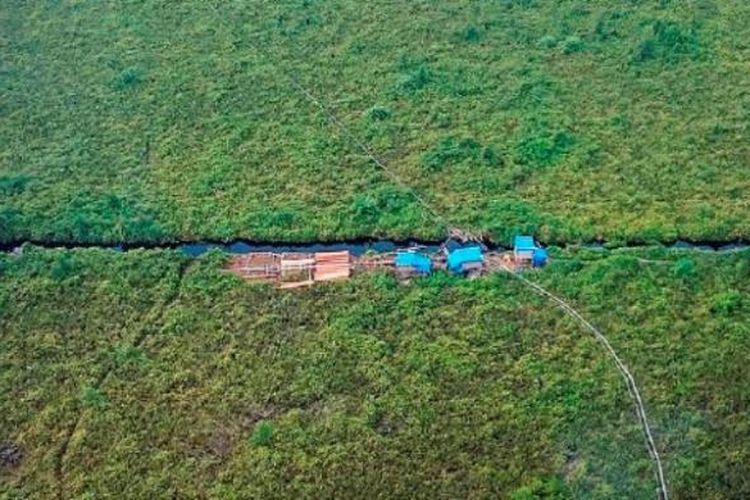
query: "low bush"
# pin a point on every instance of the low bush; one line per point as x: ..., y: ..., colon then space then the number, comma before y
x: 13, y: 184
x: 573, y: 44
x: 262, y: 434
x: 669, y: 42
x: 544, y: 148
x: 471, y: 34
x: 452, y: 151
x: 93, y: 398
x: 379, y: 113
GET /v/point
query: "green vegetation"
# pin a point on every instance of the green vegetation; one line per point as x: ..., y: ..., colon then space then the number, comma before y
x: 154, y: 367
x: 146, y: 374
x: 262, y: 433
x: 149, y: 121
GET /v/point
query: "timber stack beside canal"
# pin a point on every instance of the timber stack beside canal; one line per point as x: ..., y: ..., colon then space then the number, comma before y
x: 298, y: 269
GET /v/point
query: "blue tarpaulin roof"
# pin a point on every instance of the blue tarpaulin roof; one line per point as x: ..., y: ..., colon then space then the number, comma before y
x: 524, y: 244
x: 420, y: 262
x: 540, y: 257
x: 461, y: 256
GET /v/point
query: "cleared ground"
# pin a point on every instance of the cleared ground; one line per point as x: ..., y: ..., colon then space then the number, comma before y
x: 144, y: 365
x: 573, y: 120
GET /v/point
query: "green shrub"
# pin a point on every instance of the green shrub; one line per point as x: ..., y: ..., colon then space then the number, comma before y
x: 10, y: 218
x: 545, y: 148
x: 572, y: 44
x: 524, y: 4
x: 262, y: 434
x: 13, y: 185
x: 374, y: 415
x: 365, y: 211
x: 128, y: 79
x: 726, y: 303
x: 607, y: 26
x: 129, y: 355
x: 389, y: 205
x: 669, y: 42
x: 552, y: 488
x: 647, y: 50
x: 416, y: 79
x: 547, y: 42
x: 379, y: 113
x: 93, y: 398
x: 684, y: 269
x: 491, y: 157
x: 452, y: 150
x: 471, y: 34
x: 62, y: 267
x: 507, y: 218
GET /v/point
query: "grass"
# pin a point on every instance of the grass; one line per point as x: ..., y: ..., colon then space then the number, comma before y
x: 574, y: 120
x: 145, y: 121
x: 199, y: 384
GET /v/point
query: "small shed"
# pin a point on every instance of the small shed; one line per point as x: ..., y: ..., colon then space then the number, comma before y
x: 523, y: 248
x: 412, y: 262
x: 465, y: 259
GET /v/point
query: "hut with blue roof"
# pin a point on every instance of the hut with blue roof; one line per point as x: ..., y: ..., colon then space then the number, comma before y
x: 523, y: 248
x: 412, y: 263
x: 526, y: 251
x: 464, y: 260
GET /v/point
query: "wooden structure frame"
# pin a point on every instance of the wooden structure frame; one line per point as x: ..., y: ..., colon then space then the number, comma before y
x: 262, y: 266
x: 296, y: 270
x: 292, y: 270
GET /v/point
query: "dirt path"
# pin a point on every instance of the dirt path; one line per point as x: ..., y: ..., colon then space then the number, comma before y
x: 435, y: 212
x: 621, y: 367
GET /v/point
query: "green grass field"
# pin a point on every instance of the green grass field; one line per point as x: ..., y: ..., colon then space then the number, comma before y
x: 149, y: 375
x: 574, y: 120
x: 167, y: 378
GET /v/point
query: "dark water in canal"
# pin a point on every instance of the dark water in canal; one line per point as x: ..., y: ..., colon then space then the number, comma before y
x: 356, y: 248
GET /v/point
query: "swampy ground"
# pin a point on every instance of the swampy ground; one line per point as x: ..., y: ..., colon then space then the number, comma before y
x: 572, y: 120
x: 150, y: 374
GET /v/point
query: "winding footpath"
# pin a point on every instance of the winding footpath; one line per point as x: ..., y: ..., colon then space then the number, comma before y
x: 627, y: 376
x: 635, y: 393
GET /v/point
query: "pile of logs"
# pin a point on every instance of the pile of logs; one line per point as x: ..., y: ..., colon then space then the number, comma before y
x: 330, y: 266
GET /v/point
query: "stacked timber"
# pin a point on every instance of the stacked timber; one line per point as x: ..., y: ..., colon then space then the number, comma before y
x: 331, y: 266
x: 296, y: 269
